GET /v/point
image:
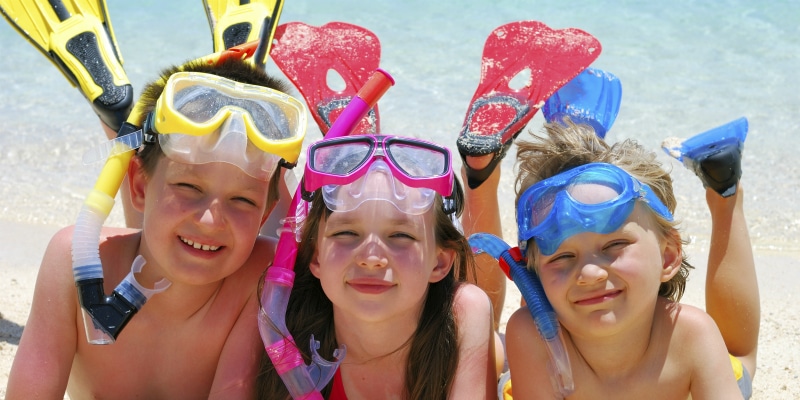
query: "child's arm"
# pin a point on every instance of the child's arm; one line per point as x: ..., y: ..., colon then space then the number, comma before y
x: 527, y: 359
x: 482, y: 214
x: 697, y: 339
x: 239, y: 362
x: 43, y: 361
x: 476, y: 376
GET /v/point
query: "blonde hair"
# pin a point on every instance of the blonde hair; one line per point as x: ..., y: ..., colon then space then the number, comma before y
x: 568, y: 145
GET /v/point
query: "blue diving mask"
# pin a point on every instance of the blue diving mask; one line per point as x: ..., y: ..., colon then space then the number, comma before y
x: 594, y: 197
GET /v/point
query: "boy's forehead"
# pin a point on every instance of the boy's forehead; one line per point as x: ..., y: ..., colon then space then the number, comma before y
x: 644, y: 217
x: 592, y: 193
x: 220, y: 172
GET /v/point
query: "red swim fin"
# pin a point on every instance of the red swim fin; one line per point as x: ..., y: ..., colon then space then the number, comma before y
x: 497, y: 112
x: 306, y: 54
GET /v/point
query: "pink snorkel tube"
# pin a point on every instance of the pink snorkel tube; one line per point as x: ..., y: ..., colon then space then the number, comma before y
x: 305, y: 382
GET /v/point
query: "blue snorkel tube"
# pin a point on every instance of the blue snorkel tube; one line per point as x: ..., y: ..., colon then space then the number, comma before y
x: 305, y: 382
x: 513, y: 264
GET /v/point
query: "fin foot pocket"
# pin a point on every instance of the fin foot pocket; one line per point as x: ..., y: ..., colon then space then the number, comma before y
x: 715, y: 156
x: 114, y: 103
x: 236, y: 34
x: 478, y: 146
x: 721, y: 170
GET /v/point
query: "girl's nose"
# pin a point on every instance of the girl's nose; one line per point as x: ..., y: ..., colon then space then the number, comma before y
x: 372, y: 254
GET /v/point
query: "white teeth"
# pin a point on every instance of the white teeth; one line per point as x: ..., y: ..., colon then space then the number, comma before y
x: 199, y: 246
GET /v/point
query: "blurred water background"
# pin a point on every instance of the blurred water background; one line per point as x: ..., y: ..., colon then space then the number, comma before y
x: 686, y: 67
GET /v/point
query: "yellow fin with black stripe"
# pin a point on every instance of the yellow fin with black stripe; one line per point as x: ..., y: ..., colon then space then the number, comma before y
x: 76, y: 35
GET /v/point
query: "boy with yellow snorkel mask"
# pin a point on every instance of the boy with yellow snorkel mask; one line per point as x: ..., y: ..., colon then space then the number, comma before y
x: 212, y: 136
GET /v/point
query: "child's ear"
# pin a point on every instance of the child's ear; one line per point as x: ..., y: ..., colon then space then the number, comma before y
x: 137, y: 183
x: 444, y: 263
x: 314, y: 265
x: 672, y: 256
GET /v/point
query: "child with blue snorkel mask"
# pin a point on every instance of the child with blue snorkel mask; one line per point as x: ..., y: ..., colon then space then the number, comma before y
x: 215, y: 138
x: 381, y: 269
x: 595, y: 223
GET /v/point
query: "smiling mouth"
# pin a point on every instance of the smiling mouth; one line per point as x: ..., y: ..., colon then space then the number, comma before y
x: 599, y: 298
x: 373, y: 286
x: 200, y: 246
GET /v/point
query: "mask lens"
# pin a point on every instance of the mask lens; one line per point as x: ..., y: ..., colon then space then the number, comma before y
x: 378, y: 183
x: 202, y: 104
x: 541, y: 207
x: 417, y: 161
x: 340, y: 158
x: 196, y: 103
x: 589, y: 188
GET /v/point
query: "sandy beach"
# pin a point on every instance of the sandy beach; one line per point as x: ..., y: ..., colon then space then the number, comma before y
x: 778, y: 274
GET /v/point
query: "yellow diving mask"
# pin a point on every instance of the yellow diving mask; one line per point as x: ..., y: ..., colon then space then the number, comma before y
x: 202, y: 118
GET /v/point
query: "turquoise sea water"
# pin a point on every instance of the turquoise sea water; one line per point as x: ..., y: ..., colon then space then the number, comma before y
x: 685, y: 67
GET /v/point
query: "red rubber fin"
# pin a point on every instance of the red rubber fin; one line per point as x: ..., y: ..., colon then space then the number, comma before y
x: 306, y: 54
x: 498, y: 112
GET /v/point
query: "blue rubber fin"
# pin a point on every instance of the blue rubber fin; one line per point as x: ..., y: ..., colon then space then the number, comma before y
x: 593, y: 97
x: 715, y: 156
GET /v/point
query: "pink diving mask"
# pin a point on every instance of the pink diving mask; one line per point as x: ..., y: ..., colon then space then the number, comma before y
x: 415, y: 171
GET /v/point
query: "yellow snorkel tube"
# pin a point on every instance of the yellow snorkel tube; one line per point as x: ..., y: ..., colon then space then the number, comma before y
x: 105, y: 316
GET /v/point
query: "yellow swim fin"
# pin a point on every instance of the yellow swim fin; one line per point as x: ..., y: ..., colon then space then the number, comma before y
x: 76, y: 36
x: 235, y: 22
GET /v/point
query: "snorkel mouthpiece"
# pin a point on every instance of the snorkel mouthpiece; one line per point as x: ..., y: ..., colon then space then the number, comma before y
x: 107, y: 314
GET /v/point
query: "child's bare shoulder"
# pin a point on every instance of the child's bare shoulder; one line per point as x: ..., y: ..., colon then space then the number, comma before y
x: 687, y: 321
x: 688, y: 330
x: 63, y: 237
x: 113, y: 241
x: 471, y: 300
x: 249, y: 274
x: 472, y: 309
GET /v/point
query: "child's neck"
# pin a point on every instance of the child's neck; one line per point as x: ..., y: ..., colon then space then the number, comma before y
x: 369, y: 342
x: 616, y: 355
x: 377, y: 354
x: 179, y: 301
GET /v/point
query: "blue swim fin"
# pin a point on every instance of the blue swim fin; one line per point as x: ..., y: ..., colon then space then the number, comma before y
x: 593, y: 97
x: 715, y: 155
